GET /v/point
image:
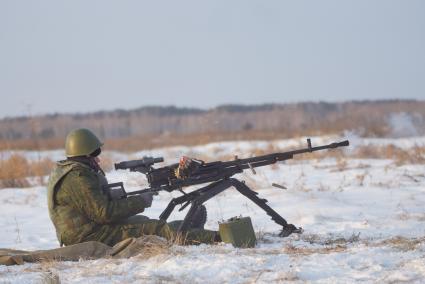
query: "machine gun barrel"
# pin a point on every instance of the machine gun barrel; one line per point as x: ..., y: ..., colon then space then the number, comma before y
x: 268, y: 159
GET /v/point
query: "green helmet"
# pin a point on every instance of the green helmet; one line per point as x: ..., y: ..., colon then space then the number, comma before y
x: 81, y: 142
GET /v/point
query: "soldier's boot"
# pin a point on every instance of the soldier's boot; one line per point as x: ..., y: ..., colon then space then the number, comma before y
x: 199, y: 218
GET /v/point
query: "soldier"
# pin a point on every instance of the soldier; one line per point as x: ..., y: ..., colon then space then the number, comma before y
x: 81, y: 210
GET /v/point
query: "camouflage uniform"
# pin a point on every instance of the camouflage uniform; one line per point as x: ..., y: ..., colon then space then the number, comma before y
x: 81, y: 211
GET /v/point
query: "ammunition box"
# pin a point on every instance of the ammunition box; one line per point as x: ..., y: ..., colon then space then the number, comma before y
x: 238, y: 231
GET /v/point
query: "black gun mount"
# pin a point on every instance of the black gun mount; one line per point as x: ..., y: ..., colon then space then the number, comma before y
x: 219, y: 176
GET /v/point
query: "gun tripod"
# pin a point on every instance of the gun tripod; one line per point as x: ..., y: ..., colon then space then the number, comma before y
x: 199, y: 196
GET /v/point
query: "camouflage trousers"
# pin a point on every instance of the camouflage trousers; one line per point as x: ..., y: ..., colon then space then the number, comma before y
x: 137, y: 226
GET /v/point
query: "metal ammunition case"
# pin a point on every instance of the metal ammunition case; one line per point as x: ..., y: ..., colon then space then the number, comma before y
x: 238, y: 231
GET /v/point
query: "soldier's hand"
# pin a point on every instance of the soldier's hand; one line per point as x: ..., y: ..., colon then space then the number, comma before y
x: 147, y: 198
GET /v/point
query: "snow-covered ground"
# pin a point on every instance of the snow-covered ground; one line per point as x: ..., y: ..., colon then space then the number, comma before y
x: 363, y: 220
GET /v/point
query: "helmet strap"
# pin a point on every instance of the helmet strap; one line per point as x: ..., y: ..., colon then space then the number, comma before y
x: 95, y: 165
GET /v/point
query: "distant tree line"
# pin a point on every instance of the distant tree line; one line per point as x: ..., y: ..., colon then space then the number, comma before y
x: 368, y: 118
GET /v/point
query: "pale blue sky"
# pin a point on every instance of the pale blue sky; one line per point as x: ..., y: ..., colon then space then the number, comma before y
x: 67, y: 56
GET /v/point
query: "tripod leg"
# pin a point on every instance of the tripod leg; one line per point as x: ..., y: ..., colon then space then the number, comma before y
x: 205, y: 194
x: 167, y: 211
x: 252, y: 195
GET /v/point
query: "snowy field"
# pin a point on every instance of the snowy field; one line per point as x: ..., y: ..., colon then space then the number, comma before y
x: 363, y: 221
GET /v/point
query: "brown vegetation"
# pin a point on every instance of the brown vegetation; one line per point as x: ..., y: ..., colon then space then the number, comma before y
x: 415, y: 155
x: 15, y: 170
x: 32, y: 144
x: 403, y: 243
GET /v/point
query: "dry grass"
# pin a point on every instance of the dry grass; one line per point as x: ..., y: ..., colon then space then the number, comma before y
x: 144, y: 247
x: 361, y: 178
x: 153, y: 246
x: 315, y: 239
x: 15, y: 170
x: 292, y: 250
x: 403, y: 244
x: 415, y: 155
x: 32, y: 144
x: 331, y: 244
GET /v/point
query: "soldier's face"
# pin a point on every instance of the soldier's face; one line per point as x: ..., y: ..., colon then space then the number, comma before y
x: 97, y: 159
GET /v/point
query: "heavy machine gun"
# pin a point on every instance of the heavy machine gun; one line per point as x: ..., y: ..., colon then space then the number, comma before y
x: 219, y: 176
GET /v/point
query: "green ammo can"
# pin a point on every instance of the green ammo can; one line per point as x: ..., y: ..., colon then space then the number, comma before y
x: 238, y: 231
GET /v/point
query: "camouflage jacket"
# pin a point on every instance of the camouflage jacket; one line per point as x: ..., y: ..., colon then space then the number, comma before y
x: 78, y: 206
